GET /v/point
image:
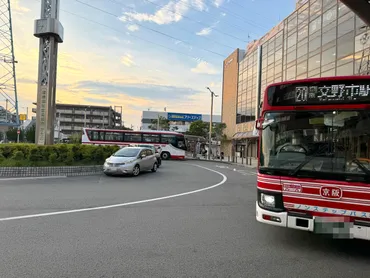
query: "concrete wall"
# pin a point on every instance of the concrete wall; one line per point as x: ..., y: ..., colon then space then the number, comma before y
x: 229, y: 98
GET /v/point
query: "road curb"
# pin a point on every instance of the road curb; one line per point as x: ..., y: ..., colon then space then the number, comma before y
x: 57, y: 171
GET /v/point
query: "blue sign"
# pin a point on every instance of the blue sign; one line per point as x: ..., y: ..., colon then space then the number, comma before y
x: 178, y: 117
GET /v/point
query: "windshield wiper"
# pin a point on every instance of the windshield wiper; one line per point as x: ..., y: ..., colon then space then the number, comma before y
x: 361, y: 166
x: 304, y: 163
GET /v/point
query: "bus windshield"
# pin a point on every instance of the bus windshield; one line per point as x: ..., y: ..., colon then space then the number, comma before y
x: 317, y: 144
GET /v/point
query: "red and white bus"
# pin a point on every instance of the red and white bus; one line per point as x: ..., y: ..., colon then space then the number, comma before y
x: 314, y: 156
x: 172, y: 143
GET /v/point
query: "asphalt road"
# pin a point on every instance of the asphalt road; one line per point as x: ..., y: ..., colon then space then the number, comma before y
x: 209, y: 233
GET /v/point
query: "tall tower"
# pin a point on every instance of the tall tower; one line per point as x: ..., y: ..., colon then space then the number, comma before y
x: 8, y: 86
x: 50, y: 32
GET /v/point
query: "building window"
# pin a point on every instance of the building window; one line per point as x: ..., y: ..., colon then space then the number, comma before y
x: 315, y: 8
x: 151, y: 138
x: 314, y: 62
x: 329, y: 16
x: 346, y: 69
x: 345, y: 45
x: 291, y: 73
x: 346, y: 26
x: 315, y: 25
x: 133, y: 137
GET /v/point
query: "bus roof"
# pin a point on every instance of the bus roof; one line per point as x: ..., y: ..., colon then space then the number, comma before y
x: 135, y: 131
x: 321, y: 79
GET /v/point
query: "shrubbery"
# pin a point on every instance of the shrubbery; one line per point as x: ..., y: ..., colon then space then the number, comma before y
x: 55, y: 155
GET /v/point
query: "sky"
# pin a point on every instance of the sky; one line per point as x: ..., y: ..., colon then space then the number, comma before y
x: 141, y: 54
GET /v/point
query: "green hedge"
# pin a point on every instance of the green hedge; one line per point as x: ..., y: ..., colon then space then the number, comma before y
x: 22, y: 155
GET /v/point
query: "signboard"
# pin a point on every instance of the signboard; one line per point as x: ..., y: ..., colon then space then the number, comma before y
x: 42, y: 111
x: 22, y: 117
x: 326, y: 92
x: 178, y: 117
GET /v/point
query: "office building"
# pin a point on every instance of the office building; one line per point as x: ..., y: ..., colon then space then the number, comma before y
x: 179, y: 122
x: 320, y: 38
x: 71, y: 118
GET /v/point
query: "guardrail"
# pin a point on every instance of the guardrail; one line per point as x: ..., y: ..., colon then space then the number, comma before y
x: 68, y: 171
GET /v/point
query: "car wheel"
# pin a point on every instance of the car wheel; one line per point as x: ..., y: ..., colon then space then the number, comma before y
x: 155, y: 167
x: 136, y: 171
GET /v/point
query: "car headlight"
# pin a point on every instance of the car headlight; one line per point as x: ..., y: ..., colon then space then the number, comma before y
x: 267, y: 200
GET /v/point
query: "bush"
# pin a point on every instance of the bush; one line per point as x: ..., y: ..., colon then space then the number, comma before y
x: 55, y: 155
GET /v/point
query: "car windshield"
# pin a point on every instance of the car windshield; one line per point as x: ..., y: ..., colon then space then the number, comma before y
x: 127, y: 152
x: 318, y: 144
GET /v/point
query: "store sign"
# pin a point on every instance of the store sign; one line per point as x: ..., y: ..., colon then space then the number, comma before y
x: 320, y: 93
x: 184, y: 117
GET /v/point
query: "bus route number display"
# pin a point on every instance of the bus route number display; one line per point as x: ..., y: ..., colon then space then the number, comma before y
x: 305, y: 94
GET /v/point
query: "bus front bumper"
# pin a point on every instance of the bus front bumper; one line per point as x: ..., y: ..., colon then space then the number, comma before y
x: 348, y: 230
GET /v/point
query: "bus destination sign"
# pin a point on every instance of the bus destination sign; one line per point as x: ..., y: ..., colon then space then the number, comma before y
x: 320, y: 93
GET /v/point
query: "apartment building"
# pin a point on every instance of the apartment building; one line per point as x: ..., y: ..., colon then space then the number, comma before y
x: 71, y: 118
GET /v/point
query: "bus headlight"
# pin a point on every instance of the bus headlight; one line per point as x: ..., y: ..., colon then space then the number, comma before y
x: 267, y: 200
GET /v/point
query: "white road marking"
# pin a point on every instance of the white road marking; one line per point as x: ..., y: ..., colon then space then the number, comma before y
x: 224, y: 179
x: 33, y: 178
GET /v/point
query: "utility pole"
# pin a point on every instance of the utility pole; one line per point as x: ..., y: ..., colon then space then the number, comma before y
x: 158, y: 121
x: 210, y: 124
x: 50, y: 32
x: 8, y: 88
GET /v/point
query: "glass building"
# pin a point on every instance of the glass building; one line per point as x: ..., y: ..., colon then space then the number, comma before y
x: 320, y: 38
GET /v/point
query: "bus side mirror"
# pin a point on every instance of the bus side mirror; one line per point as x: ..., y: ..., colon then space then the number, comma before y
x: 259, y: 124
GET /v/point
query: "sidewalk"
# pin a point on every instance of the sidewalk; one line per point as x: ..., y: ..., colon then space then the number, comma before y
x: 249, y: 162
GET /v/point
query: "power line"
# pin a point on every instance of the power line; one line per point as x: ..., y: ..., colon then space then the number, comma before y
x: 244, y: 19
x: 151, y: 29
x: 190, y: 32
x: 135, y: 36
x: 244, y: 7
x: 205, y: 25
x: 232, y: 25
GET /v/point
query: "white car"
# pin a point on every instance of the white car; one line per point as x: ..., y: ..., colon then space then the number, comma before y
x: 131, y: 160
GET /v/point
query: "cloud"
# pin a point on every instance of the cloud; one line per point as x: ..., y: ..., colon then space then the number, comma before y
x: 205, y: 68
x: 127, y: 60
x: 205, y: 31
x: 117, y: 90
x: 173, y: 11
x: 208, y: 30
x: 223, y: 14
x: 17, y: 8
x: 218, y: 3
x: 133, y: 27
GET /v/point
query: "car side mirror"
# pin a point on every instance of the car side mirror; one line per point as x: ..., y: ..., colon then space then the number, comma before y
x: 143, y: 156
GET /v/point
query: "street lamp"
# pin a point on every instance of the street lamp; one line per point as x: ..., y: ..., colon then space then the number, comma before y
x: 210, y: 124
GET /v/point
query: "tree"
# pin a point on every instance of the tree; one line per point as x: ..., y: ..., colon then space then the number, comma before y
x: 12, y: 135
x: 30, y: 134
x: 164, y: 124
x: 76, y: 138
x: 198, y: 128
x: 125, y: 128
x: 218, y: 131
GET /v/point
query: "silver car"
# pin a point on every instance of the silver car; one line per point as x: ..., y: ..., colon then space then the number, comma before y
x: 131, y: 160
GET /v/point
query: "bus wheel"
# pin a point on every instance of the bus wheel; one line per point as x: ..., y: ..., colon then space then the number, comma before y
x: 165, y: 156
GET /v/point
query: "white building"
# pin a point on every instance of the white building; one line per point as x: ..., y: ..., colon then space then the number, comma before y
x: 179, y: 122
